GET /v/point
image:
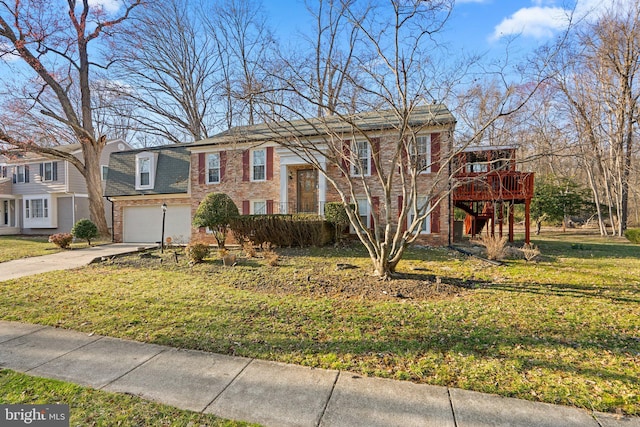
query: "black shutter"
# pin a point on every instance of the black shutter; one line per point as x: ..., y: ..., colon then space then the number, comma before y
x: 41, y: 172
x: 26, y: 173
x: 54, y: 171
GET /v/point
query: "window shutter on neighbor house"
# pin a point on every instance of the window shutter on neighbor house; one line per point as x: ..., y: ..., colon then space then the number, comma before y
x: 435, y: 218
x: 41, y: 172
x: 54, y: 171
x: 202, y: 167
x: 435, y: 153
x: 269, y: 163
x: 269, y: 207
x: 246, y: 208
x: 246, y: 176
x: 26, y: 173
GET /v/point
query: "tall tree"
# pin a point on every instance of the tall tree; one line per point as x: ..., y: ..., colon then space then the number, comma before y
x: 54, y: 41
x: 597, y: 77
x: 170, y: 72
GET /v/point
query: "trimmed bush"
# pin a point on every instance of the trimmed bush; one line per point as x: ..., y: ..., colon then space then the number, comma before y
x: 282, y: 230
x: 215, y: 212
x: 197, y: 251
x: 336, y: 214
x: 633, y: 235
x: 61, y: 240
x: 85, y: 229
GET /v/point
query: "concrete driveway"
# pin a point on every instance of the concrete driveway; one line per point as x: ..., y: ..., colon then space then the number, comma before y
x: 64, y: 260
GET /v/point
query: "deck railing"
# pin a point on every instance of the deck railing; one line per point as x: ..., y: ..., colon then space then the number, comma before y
x: 496, y: 185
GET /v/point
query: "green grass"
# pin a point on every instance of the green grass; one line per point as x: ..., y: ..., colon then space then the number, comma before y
x: 16, y: 247
x: 88, y: 407
x: 563, y: 330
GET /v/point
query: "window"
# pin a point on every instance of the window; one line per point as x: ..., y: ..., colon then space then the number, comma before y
x: 364, y: 212
x: 145, y: 170
x: 21, y: 174
x: 104, y: 169
x: 39, y: 212
x: 49, y: 171
x: 258, y: 165
x: 37, y: 208
x: 361, y: 161
x: 422, y: 155
x: 259, y: 207
x: 423, y: 207
x: 213, y: 168
x: 3, y: 171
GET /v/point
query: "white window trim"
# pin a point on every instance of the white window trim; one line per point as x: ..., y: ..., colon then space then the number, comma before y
x: 426, y: 225
x: 24, y: 175
x: 355, y: 159
x: 251, y: 157
x: 48, y: 221
x: 252, y: 207
x: 219, y: 169
x: 368, y: 210
x: 152, y: 170
x: 44, y: 172
x: 429, y: 159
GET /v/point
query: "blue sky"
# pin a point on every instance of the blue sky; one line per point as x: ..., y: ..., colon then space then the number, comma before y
x: 477, y: 26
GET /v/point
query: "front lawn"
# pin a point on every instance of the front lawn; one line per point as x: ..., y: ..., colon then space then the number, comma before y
x: 16, y: 247
x: 88, y: 407
x: 562, y: 330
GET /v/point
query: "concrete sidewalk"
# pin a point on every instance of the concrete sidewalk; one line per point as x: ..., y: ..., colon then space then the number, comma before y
x: 64, y: 260
x: 272, y: 394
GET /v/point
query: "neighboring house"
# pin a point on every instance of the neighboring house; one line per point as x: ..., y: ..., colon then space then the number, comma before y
x: 139, y: 182
x: 264, y: 177
x: 41, y: 195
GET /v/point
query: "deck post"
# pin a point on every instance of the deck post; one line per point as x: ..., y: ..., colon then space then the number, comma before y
x: 511, y: 219
x: 527, y: 220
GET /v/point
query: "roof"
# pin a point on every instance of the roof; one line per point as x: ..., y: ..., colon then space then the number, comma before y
x: 172, y: 172
x: 426, y: 115
x: 22, y: 156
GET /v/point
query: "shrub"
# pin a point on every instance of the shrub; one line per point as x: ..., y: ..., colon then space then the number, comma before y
x: 249, y: 250
x: 197, y: 251
x: 216, y: 212
x: 282, y: 230
x: 61, y: 240
x: 530, y: 251
x: 633, y: 235
x: 335, y: 213
x: 494, y: 246
x: 85, y: 229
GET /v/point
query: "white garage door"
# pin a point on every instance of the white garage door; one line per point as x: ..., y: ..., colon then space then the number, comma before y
x: 143, y: 224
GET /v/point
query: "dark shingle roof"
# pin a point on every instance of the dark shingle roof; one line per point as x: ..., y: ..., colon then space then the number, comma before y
x: 426, y: 115
x: 172, y: 172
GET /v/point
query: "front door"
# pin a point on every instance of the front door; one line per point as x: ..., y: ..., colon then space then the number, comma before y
x: 307, y: 191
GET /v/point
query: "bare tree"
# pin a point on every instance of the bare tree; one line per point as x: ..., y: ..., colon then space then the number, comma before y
x: 245, y: 45
x: 54, y: 43
x: 169, y: 71
x: 597, y: 78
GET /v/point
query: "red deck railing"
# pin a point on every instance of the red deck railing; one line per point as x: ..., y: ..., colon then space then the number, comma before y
x: 496, y: 185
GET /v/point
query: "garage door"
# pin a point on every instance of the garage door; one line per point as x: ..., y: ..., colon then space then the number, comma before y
x: 143, y: 224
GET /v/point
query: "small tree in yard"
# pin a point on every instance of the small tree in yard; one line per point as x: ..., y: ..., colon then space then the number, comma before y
x: 216, y: 212
x: 85, y: 229
x: 336, y: 214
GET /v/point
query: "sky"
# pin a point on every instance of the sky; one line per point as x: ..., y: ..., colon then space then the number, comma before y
x: 476, y: 26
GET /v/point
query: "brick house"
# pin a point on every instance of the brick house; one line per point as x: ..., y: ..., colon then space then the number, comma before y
x: 263, y: 174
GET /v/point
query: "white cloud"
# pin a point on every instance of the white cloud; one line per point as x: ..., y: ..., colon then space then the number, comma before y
x: 537, y: 22
x: 109, y: 6
x: 544, y: 19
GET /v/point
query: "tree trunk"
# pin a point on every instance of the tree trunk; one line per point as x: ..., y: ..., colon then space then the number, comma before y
x: 91, y: 173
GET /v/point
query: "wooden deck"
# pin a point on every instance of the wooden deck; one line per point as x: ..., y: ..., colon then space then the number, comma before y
x: 493, y: 186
